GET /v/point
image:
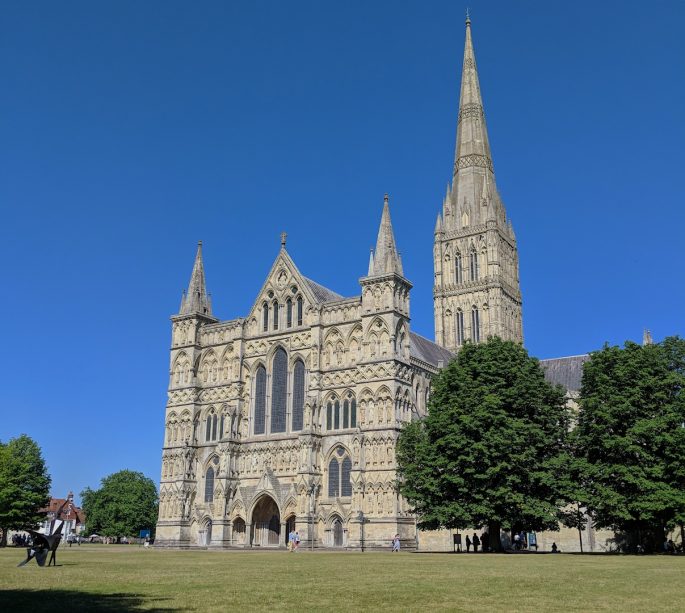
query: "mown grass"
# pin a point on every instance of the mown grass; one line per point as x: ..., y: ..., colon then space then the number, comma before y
x: 129, y: 578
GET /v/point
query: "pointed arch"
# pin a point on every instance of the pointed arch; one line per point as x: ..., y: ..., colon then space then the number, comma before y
x: 279, y: 390
x: 298, y: 395
x: 259, y: 400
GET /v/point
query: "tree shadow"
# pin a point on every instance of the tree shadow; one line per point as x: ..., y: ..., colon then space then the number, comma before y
x: 72, y: 600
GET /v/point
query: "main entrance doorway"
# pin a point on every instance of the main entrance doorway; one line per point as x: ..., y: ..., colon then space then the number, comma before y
x: 266, y: 524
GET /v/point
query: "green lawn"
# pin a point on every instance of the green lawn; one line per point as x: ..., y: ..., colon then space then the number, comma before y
x: 129, y: 578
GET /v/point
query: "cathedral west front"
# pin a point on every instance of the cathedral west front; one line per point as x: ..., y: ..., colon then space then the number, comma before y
x: 287, y: 418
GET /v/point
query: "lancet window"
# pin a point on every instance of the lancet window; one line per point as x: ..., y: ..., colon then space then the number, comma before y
x: 458, y: 271
x: 298, y: 395
x: 265, y: 316
x: 339, y: 473
x: 475, y: 325
x: 260, y: 400
x: 209, y: 485
x: 279, y: 390
x: 460, y: 327
x: 341, y: 415
x: 473, y: 265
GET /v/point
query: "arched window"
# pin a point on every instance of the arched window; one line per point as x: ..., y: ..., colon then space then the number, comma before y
x: 333, y: 478
x: 265, y: 316
x: 214, y: 426
x: 289, y: 313
x: 276, y: 313
x: 260, y: 400
x: 209, y: 485
x: 339, y: 469
x: 279, y: 390
x: 221, y: 427
x: 298, y: 395
x: 473, y: 265
x: 345, y: 481
x: 208, y: 429
x: 341, y: 415
x: 458, y: 272
x: 300, y: 310
x: 460, y: 327
x: 475, y: 325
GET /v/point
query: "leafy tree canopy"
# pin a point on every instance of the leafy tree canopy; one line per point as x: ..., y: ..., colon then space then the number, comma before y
x: 630, y: 438
x: 488, y: 451
x: 125, y: 504
x: 24, y: 484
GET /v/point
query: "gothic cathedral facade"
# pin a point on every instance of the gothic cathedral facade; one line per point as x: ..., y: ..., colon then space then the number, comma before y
x: 287, y: 419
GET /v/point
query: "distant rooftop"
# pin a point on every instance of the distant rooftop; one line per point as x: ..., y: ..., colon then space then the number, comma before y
x: 428, y: 351
x: 566, y: 371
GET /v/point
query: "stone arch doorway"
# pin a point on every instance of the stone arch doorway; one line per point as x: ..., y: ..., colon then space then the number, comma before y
x: 289, y: 527
x: 239, y: 531
x: 205, y: 533
x: 337, y: 529
x: 266, y: 523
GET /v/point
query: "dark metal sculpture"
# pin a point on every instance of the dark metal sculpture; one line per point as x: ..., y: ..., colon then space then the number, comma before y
x: 42, y: 545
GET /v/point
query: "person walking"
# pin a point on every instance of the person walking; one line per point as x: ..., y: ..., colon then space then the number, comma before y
x: 291, y: 540
x: 297, y: 540
x: 476, y: 542
x: 396, y: 544
x: 468, y: 544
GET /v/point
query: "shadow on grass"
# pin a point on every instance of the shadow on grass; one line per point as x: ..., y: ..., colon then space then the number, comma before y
x: 71, y: 600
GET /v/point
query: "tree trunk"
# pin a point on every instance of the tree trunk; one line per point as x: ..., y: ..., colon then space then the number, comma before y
x: 580, y: 528
x: 493, y: 534
x: 3, y: 537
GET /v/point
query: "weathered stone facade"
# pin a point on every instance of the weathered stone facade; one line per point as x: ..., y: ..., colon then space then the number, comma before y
x: 288, y: 418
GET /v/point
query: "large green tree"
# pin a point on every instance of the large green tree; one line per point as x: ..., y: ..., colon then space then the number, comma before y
x: 125, y: 503
x: 630, y: 438
x: 24, y: 485
x: 488, y: 452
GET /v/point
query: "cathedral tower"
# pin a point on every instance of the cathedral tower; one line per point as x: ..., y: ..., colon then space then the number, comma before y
x: 476, y: 290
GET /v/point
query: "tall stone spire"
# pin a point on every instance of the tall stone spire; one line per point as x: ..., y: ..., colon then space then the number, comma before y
x: 386, y: 259
x: 473, y: 166
x: 196, y: 299
x: 477, y: 292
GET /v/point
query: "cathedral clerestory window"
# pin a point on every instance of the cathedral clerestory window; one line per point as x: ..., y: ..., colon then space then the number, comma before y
x: 289, y: 313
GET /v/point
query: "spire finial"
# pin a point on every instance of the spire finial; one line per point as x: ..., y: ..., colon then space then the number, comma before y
x: 386, y: 198
x: 284, y: 236
x: 468, y: 17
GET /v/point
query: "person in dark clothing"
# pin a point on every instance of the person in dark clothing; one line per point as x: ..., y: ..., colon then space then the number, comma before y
x: 485, y: 541
x: 468, y: 544
x: 476, y: 542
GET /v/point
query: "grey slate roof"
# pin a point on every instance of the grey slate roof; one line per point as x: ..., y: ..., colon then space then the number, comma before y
x: 565, y: 371
x: 321, y: 293
x: 428, y: 351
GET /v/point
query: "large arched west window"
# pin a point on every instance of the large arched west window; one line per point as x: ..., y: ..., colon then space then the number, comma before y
x: 339, y: 469
x: 298, y: 395
x: 260, y: 401
x: 458, y: 271
x: 279, y: 390
x: 475, y: 325
x: 209, y: 485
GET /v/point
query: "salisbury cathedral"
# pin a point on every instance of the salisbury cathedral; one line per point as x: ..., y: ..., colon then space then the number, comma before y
x: 287, y: 418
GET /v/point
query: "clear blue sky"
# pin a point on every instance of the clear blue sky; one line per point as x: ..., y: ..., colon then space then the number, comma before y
x: 129, y: 130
